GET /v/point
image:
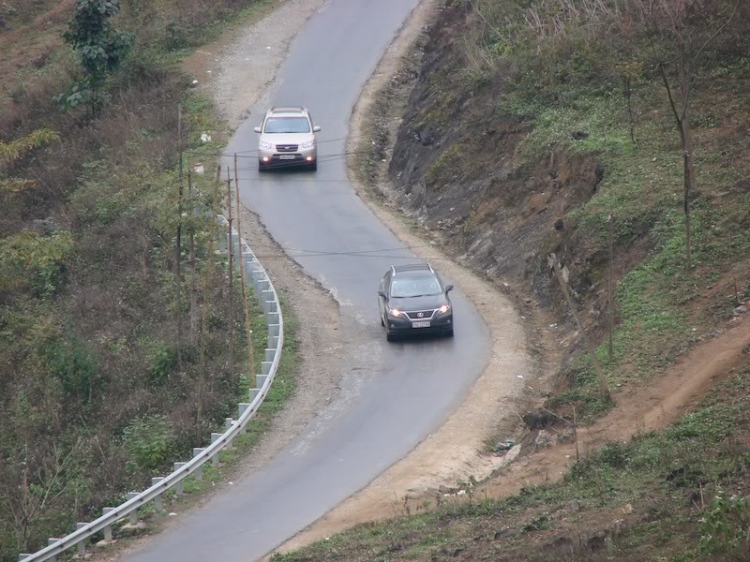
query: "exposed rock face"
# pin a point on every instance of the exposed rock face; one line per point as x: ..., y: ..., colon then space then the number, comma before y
x: 455, y: 167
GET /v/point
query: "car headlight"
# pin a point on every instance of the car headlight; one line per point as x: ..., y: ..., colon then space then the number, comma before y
x: 395, y: 312
x: 308, y: 144
x: 265, y: 145
x: 443, y: 309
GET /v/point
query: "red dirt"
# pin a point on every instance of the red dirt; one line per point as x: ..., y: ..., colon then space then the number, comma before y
x: 644, y: 409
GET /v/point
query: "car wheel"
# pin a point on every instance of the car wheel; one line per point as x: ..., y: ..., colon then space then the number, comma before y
x: 261, y: 167
x: 312, y: 167
x: 389, y: 336
x: 449, y: 332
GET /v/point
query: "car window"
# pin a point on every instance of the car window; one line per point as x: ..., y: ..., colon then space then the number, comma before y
x: 415, y: 287
x: 287, y: 125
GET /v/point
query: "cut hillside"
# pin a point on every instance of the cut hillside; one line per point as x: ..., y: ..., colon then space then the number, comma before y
x: 514, y: 150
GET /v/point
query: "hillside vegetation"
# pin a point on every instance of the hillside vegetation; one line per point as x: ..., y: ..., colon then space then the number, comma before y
x: 531, y: 123
x: 533, y: 129
x: 97, y: 392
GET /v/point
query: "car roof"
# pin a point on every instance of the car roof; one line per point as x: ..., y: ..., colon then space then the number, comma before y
x: 412, y: 270
x: 287, y: 111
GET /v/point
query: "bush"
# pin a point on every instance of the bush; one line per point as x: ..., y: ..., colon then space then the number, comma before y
x: 149, y: 442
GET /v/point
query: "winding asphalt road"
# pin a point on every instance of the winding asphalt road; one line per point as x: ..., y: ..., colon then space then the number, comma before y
x: 392, y: 395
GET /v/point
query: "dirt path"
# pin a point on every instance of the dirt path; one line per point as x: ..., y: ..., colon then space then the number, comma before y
x: 672, y: 394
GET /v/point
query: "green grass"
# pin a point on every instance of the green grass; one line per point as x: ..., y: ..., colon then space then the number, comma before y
x: 653, y: 473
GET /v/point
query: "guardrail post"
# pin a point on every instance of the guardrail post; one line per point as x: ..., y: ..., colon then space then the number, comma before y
x: 108, y: 528
x: 82, y: 544
x: 266, y: 298
x: 198, y: 474
x: 214, y: 438
x: 228, y: 423
x: 242, y: 408
x: 272, y: 318
x: 273, y: 332
x: 265, y: 367
x: 133, y: 514
x: 261, y: 285
x: 50, y: 542
x: 253, y: 393
x: 260, y: 380
x: 270, y: 354
x: 178, y: 484
x: 157, y: 499
x: 24, y: 556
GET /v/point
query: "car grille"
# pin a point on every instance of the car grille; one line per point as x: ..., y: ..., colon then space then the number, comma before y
x: 425, y: 314
x: 287, y: 147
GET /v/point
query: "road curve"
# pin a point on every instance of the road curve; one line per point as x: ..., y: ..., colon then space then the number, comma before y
x: 392, y: 395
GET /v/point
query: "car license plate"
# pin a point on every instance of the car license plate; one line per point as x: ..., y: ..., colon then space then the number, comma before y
x: 286, y: 157
x: 421, y: 324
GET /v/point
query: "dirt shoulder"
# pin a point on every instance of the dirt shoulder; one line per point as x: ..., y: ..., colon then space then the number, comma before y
x: 493, y: 406
x: 236, y: 69
x: 510, y: 382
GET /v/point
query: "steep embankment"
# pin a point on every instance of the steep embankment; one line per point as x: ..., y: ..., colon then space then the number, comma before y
x: 509, y: 157
x: 513, y: 133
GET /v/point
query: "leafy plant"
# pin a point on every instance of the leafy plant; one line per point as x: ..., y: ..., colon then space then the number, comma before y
x: 726, y: 526
x: 101, y: 48
x: 29, y: 259
x: 148, y: 441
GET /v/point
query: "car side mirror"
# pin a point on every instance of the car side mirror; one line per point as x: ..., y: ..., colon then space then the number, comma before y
x: 448, y: 289
x: 316, y: 128
x: 381, y: 294
x: 256, y: 129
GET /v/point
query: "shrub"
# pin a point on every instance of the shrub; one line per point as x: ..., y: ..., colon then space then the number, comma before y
x: 148, y: 441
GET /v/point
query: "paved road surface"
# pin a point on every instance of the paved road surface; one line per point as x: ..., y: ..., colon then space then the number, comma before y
x: 392, y: 395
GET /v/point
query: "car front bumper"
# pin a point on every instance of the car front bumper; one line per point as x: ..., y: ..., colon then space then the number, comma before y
x: 273, y: 158
x: 403, y: 325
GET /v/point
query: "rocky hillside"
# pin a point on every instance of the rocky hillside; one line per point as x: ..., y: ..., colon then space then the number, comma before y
x: 526, y: 127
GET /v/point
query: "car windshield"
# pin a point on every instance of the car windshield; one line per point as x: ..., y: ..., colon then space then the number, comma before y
x: 287, y: 125
x: 415, y: 287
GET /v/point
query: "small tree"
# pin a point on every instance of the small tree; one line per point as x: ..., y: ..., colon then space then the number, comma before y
x: 101, y: 48
x: 680, y: 31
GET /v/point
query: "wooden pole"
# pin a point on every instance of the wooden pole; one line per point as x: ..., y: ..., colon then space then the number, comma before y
x: 603, y: 388
x: 179, y: 240
x: 206, y: 296
x: 245, y: 306
x: 230, y: 296
x: 192, y: 261
x: 610, y: 291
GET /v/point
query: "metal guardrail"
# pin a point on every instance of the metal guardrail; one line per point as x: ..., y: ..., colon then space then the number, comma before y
x: 264, y: 291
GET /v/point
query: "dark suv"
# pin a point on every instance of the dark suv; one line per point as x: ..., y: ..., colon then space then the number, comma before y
x: 413, y: 299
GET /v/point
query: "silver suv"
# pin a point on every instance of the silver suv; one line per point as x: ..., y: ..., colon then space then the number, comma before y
x: 287, y: 138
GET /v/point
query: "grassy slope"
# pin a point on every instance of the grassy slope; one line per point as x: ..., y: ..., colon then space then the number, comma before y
x: 642, y: 500
x: 93, y: 400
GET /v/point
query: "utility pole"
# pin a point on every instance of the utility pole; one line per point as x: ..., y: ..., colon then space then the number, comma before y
x: 610, y: 289
x: 179, y: 241
x: 245, y: 306
x: 192, y: 260
x: 230, y: 247
x: 206, y: 297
